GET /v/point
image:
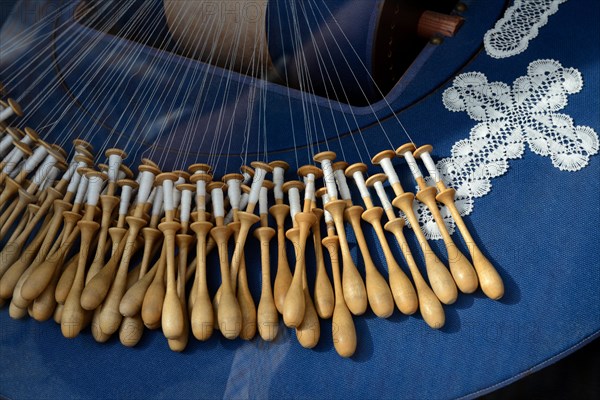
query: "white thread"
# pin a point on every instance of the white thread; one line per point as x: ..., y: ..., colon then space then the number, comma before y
x: 17, y: 169
x: 6, y: 114
x: 13, y: 160
x: 388, y: 169
x: 5, y: 144
x: 329, y: 179
x: 362, y: 186
x: 259, y: 177
x: 50, y: 178
x: 343, y: 185
x: 294, y: 198
x: 146, y: 181
x: 93, y: 192
x: 28, y: 140
x: 186, y: 205
x: 247, y: 177
x: 430, y: 165
x: 114, y: 164
x: 309, y: 188
x: 412, y: 164
x: 383, y: 198
x: 234, y: 192
x: 217, y: 202
x: 201, y: 192
x: 126, y: 192
x: 44, y: 169
x: 278, y: 175
x: 158, y: 201
x: 152, y: 195
x: 263, y: 201
x: 76, y: 178
x: 121, y: 175
x: 168, y: 195
x: 177, y: 192
x: 81, y: 190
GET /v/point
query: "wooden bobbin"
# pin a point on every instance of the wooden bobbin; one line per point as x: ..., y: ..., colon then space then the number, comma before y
x: 460, y: 267
x: 343, y: 330
x: 429, y: 305
x: 378, y: 292
x: 323, y: 290
x: 50, y: 268
x: 172, y: 314
x: 267, y: 318
x: 293, y: 188
x: 245, y: 299
x: 355, y: 293
x: 110, y: 318
x: 402, y: 290
x: 440, y: 278
x: 72, y: 319
x: 490, y: 280
x: 283, y: 277
x: 229, y: 315
x: 202, y: 317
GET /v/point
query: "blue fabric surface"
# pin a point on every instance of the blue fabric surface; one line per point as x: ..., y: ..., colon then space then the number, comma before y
x: 538, y: 225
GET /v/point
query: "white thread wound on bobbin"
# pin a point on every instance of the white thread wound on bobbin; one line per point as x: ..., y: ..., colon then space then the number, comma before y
x: 93, y: 193
x: 329, y: 179
x: 430, y: 165
x: 259, y: 177
x: 186, y: 205
x: 263, y: 201
x: 13, y: 160
x: 177, y: 193
x: 6, y: 114
x: 412, y: 164
x: 388, y: 169
x: 158, y: 201
x: 146, y: 181
x: 168, y: 194
x: 5, y: 144
x: 294, y: 197
x: 76, y: 178
x: 114, y: 165
x: 36, y: 158
x: 44, y: 170
x: 343, y: 185
x: 234, y: 192
x: 360, y: 183
x: 217, y: 201
x: 278, y: 174
x: 50, y: 178
x: 309, y: 188
x: 81, y: 190
x: 383, y: 198
x: 126, y: 192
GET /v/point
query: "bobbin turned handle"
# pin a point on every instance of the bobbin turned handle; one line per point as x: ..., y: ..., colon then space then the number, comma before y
x: 343, y: 330
x: 489, y: 278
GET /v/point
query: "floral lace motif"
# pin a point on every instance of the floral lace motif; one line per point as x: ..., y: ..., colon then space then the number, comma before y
x: 520, y: 24
x: 509, y: 118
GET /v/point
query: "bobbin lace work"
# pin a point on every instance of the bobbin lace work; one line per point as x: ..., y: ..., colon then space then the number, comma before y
x: 519, y: 25
x: 510, y: 117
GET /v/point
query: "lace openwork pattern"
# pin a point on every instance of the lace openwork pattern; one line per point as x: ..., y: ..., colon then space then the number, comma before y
x: 519, y: 25
x: 509, y: 118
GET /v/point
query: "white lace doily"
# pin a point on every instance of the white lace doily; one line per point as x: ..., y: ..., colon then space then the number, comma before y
x: 519, y: 25
x: 510, y: 117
